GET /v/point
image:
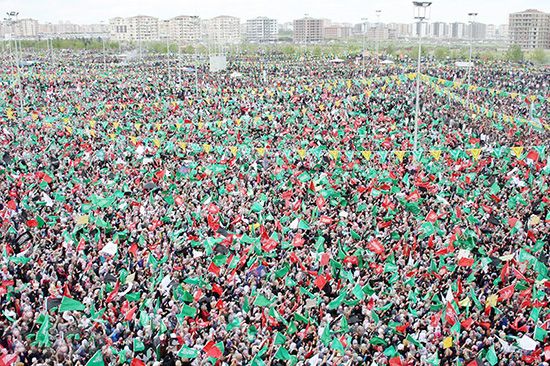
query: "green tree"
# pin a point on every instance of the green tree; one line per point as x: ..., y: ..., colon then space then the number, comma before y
x: 539, y: 56
x: 514, y: 53
x: 441, y: 53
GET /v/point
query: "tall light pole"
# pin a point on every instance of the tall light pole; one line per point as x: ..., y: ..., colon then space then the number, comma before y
x: 364, y: 40
x: 471, y: 17
x: 421, y: 14
x: 103, y: 41
x: 17, y: 66
x: 377, y: 32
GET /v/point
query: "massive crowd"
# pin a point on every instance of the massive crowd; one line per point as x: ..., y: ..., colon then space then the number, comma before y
x: 278, y: 214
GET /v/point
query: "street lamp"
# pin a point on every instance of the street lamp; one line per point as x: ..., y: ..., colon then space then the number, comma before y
x: 17, y: 66
x: 471, y: 17
x: 420, y: 13
x: 103, y: 41
x: 364, y: 40
x: 377, y: 31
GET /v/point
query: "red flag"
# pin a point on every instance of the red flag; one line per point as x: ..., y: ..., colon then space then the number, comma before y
x: 505, y: 271
x: 320, y: 282
x: 450, y: 314
x: 413, y: 197
x: 465, y: 262
x: 325, y: 220
x: 431, y: 217
x: 214, y: 269
x: 325, y: 258
x: 137, y: 362
x: 32, y: 223
x: 269, y: 244
x: 506, y: 292
x: 113, y: 293
x: 298, y: 241
x: 212, y: 350
x: 8, y: 360
x: 376, y: 246
x: 396, y: 361
x: 466, y: 324
x: 133, y: 249
x: 533, y: 155
x: 130, y: 314
x: 12, y: 205
x: 213, y: 223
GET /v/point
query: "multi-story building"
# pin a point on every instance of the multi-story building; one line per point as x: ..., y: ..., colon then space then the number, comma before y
x: 222, y: 30
x: 399, y: 30
x: 184, y: 29
x: 26, y: 28
x: 309, y: 30
x: 476, y: 30
x: 530, y: 29
x: 262, y: 30
x: 137, y: 28
x: 458, y: 30
x: 439, y: 30
x: 338, y: 31
x: 502, y: 32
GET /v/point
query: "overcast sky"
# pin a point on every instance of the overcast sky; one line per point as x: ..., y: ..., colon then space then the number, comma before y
x: 401, y: 11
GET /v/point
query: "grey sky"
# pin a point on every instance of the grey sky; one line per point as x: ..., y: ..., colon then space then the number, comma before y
x: 94, y: 11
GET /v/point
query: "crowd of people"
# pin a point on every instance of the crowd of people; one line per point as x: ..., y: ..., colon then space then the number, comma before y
x: 275, y: 213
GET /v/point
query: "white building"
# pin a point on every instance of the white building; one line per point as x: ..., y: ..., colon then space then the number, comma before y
x: 262, y: 30
x: 222, y: 30
x: 137, y: 28
x: 309, y: 30
x: 530, y: 29
x: 184, y: 29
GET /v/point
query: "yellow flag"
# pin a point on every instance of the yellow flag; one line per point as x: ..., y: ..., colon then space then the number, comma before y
x: 491, y: 300
x: 200, y: 124
x: 112, y: 136
x: 158, y: 125
x: 348, y: 84
x: 233, y: 150
x: 156, y: 142
x: 301, y: 153
x: 207, y: 147
x: 133, y: 139
x: 334, y: 154
x: 514, y: 95
x: 465, y: 303
x: 219, y: 124
x: 92, y: 132
x: 475, y: 153
x: 261, y: 151
x: 254, y: 226
x: 183, y: 145
x: 238, y: 121
x: 517, y: 150
x: 116, y: 124
x: 366, y: 154
x: 532, y: 98
x: 92, y: 123
x: 448, y: 342
x: 137, y: 126
x: 178, y: 126
x: 400, y: 154
x: 34, y: 116
x: 82, y: 220
x: 436, y: 154
x: 69, y: 129
x: 9, y: 113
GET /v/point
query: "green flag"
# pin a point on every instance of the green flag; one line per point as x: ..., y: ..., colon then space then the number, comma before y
x: 96, y: 360
x: 491, y: 356
x: 68, y: 304
x: 186, y: 352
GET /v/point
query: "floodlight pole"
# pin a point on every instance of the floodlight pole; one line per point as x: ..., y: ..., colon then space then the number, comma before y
x: 364, y: 40
x: 471, y: 21
x: 17, y: 66
x: 377, y: 33
x: 421, y: 8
